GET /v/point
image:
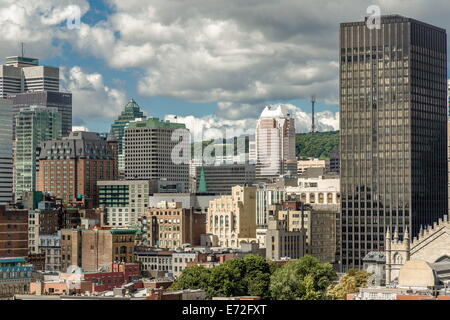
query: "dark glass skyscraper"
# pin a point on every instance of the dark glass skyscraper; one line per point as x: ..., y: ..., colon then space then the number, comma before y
x: 393, y: 120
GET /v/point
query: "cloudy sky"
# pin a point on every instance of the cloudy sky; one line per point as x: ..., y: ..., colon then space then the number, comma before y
x: 214, y: 64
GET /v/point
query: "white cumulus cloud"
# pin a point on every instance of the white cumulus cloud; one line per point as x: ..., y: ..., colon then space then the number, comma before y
x: 91, y: 98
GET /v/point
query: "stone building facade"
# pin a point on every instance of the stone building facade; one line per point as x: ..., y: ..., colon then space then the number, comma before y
x: 233, y: 218
x: 282, y: 242
x: 432, y: 245
x: 169, y: 226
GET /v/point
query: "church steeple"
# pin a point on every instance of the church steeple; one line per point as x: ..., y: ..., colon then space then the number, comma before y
x: 406, y: 235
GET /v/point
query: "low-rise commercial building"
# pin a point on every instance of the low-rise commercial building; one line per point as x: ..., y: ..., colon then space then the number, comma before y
x: 156, y: 263
x: 15, y: 276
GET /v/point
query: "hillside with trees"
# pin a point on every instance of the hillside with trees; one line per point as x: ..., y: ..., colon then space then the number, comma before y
x: 316, y: 144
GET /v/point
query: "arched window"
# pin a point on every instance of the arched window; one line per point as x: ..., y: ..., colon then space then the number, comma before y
x: 321, y: 197
x: 221, y: 221
x: 329, y: 198
x: 227, y: 221
x: 398, y: 259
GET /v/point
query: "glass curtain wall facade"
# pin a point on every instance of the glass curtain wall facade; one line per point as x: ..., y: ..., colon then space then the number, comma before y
x: 6, y: 158
x: 34, y: 125
x: 393, y: 120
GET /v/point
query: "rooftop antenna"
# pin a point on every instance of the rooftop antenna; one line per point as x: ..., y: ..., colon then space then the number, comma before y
x: 22, y: 50
x: 313, y: 102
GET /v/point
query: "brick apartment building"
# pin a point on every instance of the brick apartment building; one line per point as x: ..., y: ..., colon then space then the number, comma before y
x: 91, y: 249
x: 13, y: 232
x: 70, y: 167
x: 70, y: 248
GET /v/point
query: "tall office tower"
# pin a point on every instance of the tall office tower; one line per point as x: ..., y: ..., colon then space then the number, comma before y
x: 448, y: 97
x: 148, y: 147
x: 70, y: 167
x: 393, y: 120
x: 131, y: 112
x: 60, y: 100
x: 448, y: 162
x: 10, y: 80
x: 27, y: 83
x: 6, y: 159
x: 22, y: 74
x: 33, y: 126
x: 275, y: 143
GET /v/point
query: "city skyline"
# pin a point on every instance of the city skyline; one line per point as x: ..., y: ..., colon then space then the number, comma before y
x: 164, y: 150
x: 108, y: 81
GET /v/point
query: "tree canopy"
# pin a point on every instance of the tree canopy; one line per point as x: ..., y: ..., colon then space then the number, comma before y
x: 236, y: 277
x: 303, y: 279
x: 348, y: 283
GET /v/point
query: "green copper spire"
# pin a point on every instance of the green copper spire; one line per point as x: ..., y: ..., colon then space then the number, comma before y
x: 202, y: 183
x: 131, y: 112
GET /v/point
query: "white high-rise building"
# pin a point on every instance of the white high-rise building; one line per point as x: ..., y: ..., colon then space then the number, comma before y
x: 154, y: 150
x: 275, y: 143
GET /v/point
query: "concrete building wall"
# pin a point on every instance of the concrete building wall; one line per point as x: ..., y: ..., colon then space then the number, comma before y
x: 97, y: 249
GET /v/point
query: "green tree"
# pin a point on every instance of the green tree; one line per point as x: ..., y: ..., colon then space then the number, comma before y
x: 194, y: 277
x: 302, y: 279
x: 348, y: 283
x: 226, y: 280
x: 257, y: 275
x: 236, y: 277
